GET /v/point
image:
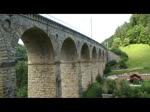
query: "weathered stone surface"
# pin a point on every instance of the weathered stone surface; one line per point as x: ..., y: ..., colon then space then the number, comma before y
x: 86, y: 74
x: 48, y: 43
x: 41, y: 81
x: 69, y: 75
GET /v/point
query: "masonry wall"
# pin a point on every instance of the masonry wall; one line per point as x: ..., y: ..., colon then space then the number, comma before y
x: 70, y: 82
x: 94, y: 70
x: 86, y: 74
x: 41, y: 81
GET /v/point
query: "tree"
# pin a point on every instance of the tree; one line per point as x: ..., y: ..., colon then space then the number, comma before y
x: 116, y: 43
x: 21, y: 71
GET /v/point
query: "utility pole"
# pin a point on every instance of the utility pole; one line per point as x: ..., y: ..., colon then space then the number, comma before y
x: 91, y: 27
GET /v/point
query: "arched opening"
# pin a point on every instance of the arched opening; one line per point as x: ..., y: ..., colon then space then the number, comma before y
x: 94, y: 54
x: 99, y: 62
x: 103, y: 55
x: 69, y: 69
x: 21, y: 71
x: 41, y: 68
x: 103, y: 61
x: 85, y: 66
x: 94, y: 64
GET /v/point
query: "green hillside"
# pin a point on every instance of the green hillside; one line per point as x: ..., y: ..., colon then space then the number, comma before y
x: 139, y: 55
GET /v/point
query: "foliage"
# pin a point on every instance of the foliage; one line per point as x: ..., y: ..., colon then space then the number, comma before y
x: 107, y: 69
x: 21, y: 52
x: 21, y: 74
x: 122, y: 89
x: 109, y: 86
x: 136, y: 31
x: 21, y: 71
x: 122, y: 64
x: 119, y: 89
x: 94, y: 91
x: 99, y: 79
x: 113, y: 63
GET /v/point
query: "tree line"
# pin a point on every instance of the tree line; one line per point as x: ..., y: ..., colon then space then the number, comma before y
x: 136, y: 31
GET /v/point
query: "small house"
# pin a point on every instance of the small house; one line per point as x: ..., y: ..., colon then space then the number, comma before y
x: 135, y: 79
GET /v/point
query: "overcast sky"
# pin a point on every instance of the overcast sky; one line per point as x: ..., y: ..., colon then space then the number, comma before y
x: 103, y: 25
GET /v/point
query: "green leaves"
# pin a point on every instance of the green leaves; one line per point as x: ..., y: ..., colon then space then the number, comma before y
x: 21, y: 72
x: 135, y: 32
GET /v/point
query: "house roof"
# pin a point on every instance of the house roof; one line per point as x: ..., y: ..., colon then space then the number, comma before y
x: 135, y: 76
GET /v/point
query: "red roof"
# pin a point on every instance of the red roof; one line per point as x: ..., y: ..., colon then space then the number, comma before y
x: 135, y: 76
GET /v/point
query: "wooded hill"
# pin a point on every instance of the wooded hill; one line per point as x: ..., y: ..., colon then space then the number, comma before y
x: 136, y: 31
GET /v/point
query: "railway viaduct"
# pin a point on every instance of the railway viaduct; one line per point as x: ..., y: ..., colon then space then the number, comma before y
x: 61, y: 61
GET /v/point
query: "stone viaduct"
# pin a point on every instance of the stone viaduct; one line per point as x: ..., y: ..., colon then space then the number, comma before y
x: 61, y: 61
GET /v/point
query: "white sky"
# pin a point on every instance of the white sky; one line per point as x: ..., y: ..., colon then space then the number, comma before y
x: 103, y: 25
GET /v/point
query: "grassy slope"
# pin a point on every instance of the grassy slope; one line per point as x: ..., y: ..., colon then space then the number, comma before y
x: 139, y: 55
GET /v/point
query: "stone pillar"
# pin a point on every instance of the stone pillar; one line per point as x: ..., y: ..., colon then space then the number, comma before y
x: 97, y: 67
x: 94, y: 69
x: 7, y: 80
x: 41, y: 80
x: 80, y: 79
x: 69, y: 77
x: 58, y: 80
x: 86, y: 74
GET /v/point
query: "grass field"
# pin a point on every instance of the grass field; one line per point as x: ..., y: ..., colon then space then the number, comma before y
x: 139, y: 57
x: 146, y: 83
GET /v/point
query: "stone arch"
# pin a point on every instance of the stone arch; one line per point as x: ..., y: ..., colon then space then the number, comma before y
x: 85, y: 52
x: 69, y: 69
x: 94, y: 55
x: 99, y: 55
x: 41, y: 68
x: 99, y: 61
x: 68, y: 50
x: 85, y: 66
x: 38, y: 45
x: 103, y: 55
x: 94, y: 64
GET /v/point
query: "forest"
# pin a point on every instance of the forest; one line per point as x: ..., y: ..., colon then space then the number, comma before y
x: 136, y: 31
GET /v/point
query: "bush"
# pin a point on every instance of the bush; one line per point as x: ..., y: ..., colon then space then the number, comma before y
x: 21, y: 75
x: 94, y: 91
x: 99, y: 79
x: 122, y: 89
x: 107, y: 69
x: 109, y: 86
x: 122, y: 65
x: 112, y: 63
x: 22, y: 92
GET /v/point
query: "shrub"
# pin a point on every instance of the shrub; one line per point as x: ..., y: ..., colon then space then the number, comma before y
x: 112, y: 63
x: 21, y: 75
x: 110, y: 85
x: 99, y: 79
x: 95, y: 91
x: 122, y: 65
x: 107, y: 69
